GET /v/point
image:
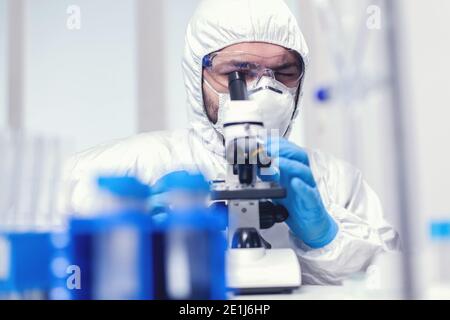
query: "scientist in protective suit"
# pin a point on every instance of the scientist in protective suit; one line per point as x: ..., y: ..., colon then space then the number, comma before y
x: 336, y: 223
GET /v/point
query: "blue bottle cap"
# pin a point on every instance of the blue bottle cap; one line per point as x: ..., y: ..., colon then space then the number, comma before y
x: 181, y: 180
x: 440, y: 230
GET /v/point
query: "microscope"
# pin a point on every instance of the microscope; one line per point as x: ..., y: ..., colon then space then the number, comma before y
x: 253, y: 266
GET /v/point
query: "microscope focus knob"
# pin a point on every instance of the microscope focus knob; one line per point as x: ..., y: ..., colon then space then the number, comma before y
x: 246, y: 238
x: 270, y: 213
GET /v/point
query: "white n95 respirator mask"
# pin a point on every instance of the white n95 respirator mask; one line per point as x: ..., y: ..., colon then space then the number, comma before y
x: 275, y: 103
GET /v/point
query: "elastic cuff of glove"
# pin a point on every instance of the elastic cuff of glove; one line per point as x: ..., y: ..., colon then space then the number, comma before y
x: 327, y: 237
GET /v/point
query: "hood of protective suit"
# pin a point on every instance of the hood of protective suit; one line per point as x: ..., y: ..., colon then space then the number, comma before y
x: 220, y: 23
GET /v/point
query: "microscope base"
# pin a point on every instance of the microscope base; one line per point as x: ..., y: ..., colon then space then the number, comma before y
x: 259, y: 270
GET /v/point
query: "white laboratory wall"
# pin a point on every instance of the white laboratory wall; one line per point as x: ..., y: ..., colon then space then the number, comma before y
x: 81, y: 83
x: 428, y: 49
x: 177, y: 16
x: 427, y: 67
x: 3, y: 67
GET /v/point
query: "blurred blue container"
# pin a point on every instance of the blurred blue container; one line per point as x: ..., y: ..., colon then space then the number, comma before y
x: 107, y: 255
x: 440, y: 250
x: 112, y: 256
x: 189, y: 256
x: 25, y: 263
x: 188, y: 244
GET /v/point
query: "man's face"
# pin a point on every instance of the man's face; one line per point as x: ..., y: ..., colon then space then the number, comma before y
x: 280, y: 60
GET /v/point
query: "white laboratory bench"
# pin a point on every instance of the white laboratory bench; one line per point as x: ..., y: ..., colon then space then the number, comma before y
x: 312, y: 292
x: 347, y: 292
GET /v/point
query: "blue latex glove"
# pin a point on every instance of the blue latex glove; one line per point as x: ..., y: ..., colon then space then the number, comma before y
x: 308, y: 218
x: 187, y: 183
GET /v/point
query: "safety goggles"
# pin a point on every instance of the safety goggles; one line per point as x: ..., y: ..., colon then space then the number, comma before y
x: 281, y: 67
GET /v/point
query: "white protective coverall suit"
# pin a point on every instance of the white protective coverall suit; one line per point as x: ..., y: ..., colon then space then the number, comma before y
x: 363, y: 232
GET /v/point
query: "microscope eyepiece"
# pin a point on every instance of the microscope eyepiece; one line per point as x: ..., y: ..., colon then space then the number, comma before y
x: 237, y: 86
